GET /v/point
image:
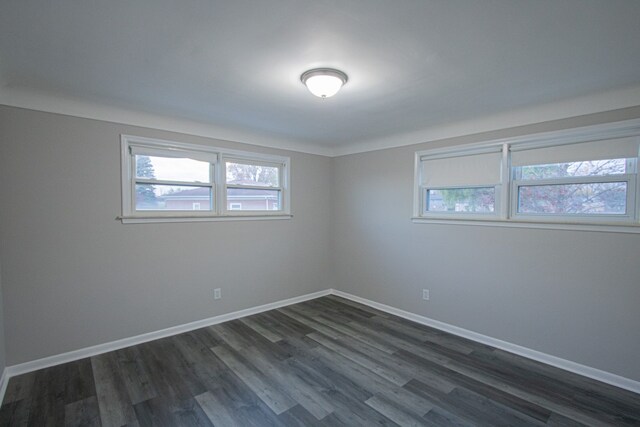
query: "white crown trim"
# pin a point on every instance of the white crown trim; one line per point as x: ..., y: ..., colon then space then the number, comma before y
x: 573, y: 107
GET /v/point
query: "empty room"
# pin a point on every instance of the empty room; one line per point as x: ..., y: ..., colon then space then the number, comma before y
x: 320, y: 213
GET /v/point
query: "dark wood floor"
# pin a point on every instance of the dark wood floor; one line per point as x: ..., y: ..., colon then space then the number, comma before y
x: 328, y: 362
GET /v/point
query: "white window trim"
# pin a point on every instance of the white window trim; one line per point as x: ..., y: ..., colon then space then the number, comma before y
x: 214, y: 156
x: 282, y: 179
x: 506, y: 217
x: 420, y: 191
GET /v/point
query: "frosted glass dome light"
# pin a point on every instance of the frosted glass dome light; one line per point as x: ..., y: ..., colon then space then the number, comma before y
x: 323, y: 82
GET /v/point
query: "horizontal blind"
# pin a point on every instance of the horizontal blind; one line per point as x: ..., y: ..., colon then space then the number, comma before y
x: 462, y: 170
x: 595, y: 150
x: 251, y: 162
x: 202, y: 156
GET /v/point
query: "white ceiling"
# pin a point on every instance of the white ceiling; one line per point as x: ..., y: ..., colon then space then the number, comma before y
x: 412, y: 65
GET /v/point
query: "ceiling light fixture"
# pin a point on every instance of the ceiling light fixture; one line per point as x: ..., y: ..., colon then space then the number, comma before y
x: 323, y: 82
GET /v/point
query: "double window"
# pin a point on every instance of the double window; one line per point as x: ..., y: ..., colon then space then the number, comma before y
x: 163, y: 180
x: 567, y: 177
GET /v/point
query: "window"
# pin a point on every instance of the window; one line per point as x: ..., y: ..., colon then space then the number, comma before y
x: 587, y: 187
x: 172, y: 181
x: 169, y: 181
x: 593, y: 181
x: 252, y: 186
x: 461, y: 183
x: 581, y: 176
x: 478, y: 200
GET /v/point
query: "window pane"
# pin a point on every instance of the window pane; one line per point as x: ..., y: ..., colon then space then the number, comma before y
x: 473, y: 200
x: 172, y: 198
x: 172, y: 169
x: 592, y: 198
x: 585, y: 168
x: 245, y: 199
x: 257, y: 175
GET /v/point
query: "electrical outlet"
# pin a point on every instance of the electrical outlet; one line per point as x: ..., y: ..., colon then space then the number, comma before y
x: 217, y: 293
x: 425, y: 294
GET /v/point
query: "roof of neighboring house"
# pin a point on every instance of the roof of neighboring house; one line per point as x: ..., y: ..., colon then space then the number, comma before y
x: 203, y: 192
x: 245, y: 182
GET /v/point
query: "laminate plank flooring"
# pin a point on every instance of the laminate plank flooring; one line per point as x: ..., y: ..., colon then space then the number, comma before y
x: 324, y: 362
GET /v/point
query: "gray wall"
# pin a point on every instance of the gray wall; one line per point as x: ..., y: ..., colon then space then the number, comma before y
x: 572, y: 294
x: 73, y: 276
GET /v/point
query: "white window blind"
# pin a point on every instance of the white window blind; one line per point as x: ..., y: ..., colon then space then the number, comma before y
x: 468, y: 169
x: 619, y: 148
x: 143, y: 150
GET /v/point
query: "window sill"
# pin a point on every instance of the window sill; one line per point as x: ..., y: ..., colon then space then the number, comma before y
x: 157, y: 219
x: 604, y: 227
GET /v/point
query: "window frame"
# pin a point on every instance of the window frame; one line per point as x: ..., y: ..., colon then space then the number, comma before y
x: 420, y: 190
x: 251, y: 161
x: 132, y: 145
x: 506, y: 214
x: 169, y: 152
x: 630, y: 178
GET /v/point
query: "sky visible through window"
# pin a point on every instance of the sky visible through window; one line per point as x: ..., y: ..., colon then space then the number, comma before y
x: 180, y: 169
x: 171, y: 169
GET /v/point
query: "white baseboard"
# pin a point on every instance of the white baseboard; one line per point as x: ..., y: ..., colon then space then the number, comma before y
x: 567, y: 365
x: 606, y: 377
x: 82, y: 353
x: 4, y: 381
